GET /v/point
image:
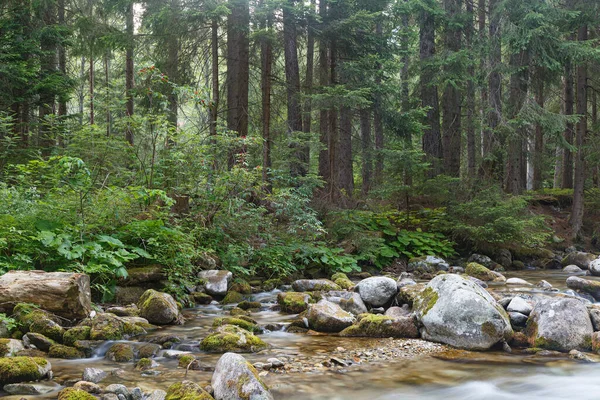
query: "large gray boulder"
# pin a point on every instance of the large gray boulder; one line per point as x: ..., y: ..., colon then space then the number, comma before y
x: 312, y: 285
x: 579, y: 258
x: 561, y: 324
x: 520, y: 305
x: 587, y: 286
x: 594, y: 267
x: 458, y: 312
x: 326, y: 316
x: 236, y: 379
x: 377, y: 291
x: 349, y: 301
x: 427, y: 264
x: 159, y: 308
x: 217, y: 281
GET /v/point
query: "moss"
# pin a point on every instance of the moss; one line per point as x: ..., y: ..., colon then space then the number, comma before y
x: 4, y: 348
x: 489, y: 329
x: 271, y: 284
x: 120, y: 352
x: 104, y: 326
x: 131, y: 330
x: 148, y: 350
x: 66, y: 352
x: 143, y: 364
x: 187, y: 390
x: 236, y: 311
x: 428, y: 299
x: 545, y: 343
x: 344, y: 283
x: 241, y: 286
x: 201, y: 298
x: 248, y: 305
x: 293, y: 302
x: 479, y: 271
x: 31, y: 353
x: 338, y: 275
x: 232, y: 338
x: 20, y: 369
x: 76, y: 333
x: 372, y: 325
x: 75, y: 394
x: 232, y: 297
x: 242, y: 323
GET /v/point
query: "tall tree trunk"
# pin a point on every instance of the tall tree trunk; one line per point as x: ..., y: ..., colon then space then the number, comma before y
x: 432, y: 143
x: 518, y: 91
x: 129, y: 82
x: 470, y: 128
x: 48, y: 69
x: 91, y: 88
x: 569, y: 95
x: 491, y: 142
x: 576, y: 219
x: 344, y: 166
x: 333, y: 127
x: 107, y: 91
x: 62, y: 58
x: 310, y: 62
x: 481, y: 19
x: 538, y: 150
x: 172, y: 65
x: 299, y: 160
x: 452, y: 99
x: 324, y: 170
x: 378, y: 112
x: 266, y: 67
x: 366, y: 149
x: 214, y: 107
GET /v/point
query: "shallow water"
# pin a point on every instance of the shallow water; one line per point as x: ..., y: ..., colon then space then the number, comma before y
x: 465, y: 375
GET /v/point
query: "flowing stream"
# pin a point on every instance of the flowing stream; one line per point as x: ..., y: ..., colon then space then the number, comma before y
x: 465, y: 375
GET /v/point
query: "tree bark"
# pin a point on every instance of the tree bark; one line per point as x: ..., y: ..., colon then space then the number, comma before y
x: 344, y: 154
x: 324, y: 170
x: 470, y: 128
x: 48, y: 69
x: 378, y: 114
x: 538, y: 150
x: 129, y: 82
x: 310, y: 61
x: 366, y: 149
x: 491, y: 142
x: 266, y: 67
x: 567, y: 168
x: 62, y: 62
x: 214, y: 106
x: 333, y: 127
x: 172, y: 65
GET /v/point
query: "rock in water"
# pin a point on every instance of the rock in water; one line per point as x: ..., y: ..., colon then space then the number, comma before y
x: 94, y: 375
x: 159, y: 308
x: 520, y: 305
x: 326, y: 316
x: 187, y: 390
x: 370, y: 325
x: 312, y: 285
x: 560, y: 324
x: 594, y: 267
x: 10, y: 347
x: 377, y: 291
x: 236, y: 379
x: 65, y: 294
x: 23, y: 369
x: 217, y: 281
x: 458, y: 312
x: 579, y: 258
x: 584, y: 286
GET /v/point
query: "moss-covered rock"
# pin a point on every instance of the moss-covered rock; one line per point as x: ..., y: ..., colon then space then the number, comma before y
x: 236, y: 379
x: 39, y: 341
x: 241, y: 322
x: 75, y: 394
x: 241, y: 286
x: 371, y: 325
x: 271, y: 284
x: 105, y: 326
x: 23, y: 369
x: 31, y: 353
x: 10, y: 347
x: 201, y: 298
x: 76, y: 333
x: 232, y: 297
x: 311, y: 285
x: 338, y: 275
x: 232, y: 338
x: 145, y: 364
x: 344, y: 283
x: 131, y: 311
x: 159, y: 308
x: 148, y: 350
x: 249, y: 305
x: 293, y: 302
x: 187, y: 390
x: 236, y: 311
x: 33, y: 319
x: 480, y: 272
x: 326, y: 316
x: 65, y: 352
x: 120, y: 352
x: 409, y: 293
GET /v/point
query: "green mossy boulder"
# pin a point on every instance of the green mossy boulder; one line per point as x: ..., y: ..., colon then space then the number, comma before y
x: 242, y: 321
x: 145, y: 364
x: 33, y: 319
x: 40, y: 341
x: 23, y: 369
x: 249, y: 305
x: 65, y: 352
x: 120, y: 352
x: 232, y: 338
x: 480, y: 272
x: 148, y: 350
x: 187, y: 390
x: 159, y: 308
x: 293, y: 302
x: 232, y: 297
x: 381, y: 326
x: 75, y: 394
x: 201, y: 298
x: 104, y: 326
x: 344, y: 283
x: 409, y: 293
x: 76, y: 333
x: 236, y: 311
x: 241, y: 286
x: 271, y: 284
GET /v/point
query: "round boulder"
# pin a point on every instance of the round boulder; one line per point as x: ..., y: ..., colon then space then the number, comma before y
x: 586, y: 286
x: 377, y: 291
x: 312, y: 285
x: 217, y: 281
x: 579, y: 258
x: 236, y: 379
x: 159, y: 308
x: 326, y: 316
x: 594, y: 267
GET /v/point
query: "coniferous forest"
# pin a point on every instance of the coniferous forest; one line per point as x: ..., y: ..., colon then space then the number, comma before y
x: 159, y: 158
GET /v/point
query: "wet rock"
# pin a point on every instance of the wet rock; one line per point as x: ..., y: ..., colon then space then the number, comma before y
x: 505, y: 301
x: 545, y: 285
x: 236, y: 379
x: 232, y: 338
x: 594, y: 267
x: 456, y: 311
x: 293, y: 302
x: 517, y: 320
x: 129, y: 311
x: 520, y: 305
x: 573, y: 269
x: 62, y: 293
x: 595, y: 317
x: 326, y: 316
x: 187, y: 390
x: 242, y: 321
x: 145, y: 364
x: 427, y: 264
x: 579, y: 356
x: 74, y: 394
x: 23, y: 369
x: 94, y: 375
x: 89, y: 387
x: 377, y: 291
x: 397, y: 312
x: 349, y: 301
x: 36, y: 320
x: 157, y: 395
x: 120, y: 352
x: 88, y: 346
x: 560, y: 324
x: 76, y: 333
x: 201, y: 298
x: 481, y: 259
x: 65, y: 352
x: 34, y: 389
x: 105, y: 326
x: 249, y: 305
x: 579, y: 258
x: 217, y: 281
x: 370, y: 325
x: 585, y: 286
x: 408, y: 294
x: 275, y: 362
x: 10, y: 347
x: 480, y: 272
x: 314, y: 285
x: 148, y: 350
x: 159, y: 308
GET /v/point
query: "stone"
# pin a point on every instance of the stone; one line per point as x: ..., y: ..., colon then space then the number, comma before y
x: 314, y: 285
x: 275, y: 362
x: 242, y: 321
x: 187, y: 390
x: 574, y: 269
x: 33, y: 319
x: 34, y: 389
x: 518, y: 281
x: 117, y: 389
x: 458, y: 312
x: 560, y: 324
x: 517, y: 320
x: 235, y: 378
x: 381, y: 326
x: 408, y: 294
x: 38, y: 340
x: 326, y: 316
x: 106, y: 326
x: 62, y: 293
x: 427, y: 264
x: 520, y: 305
x: 148, y: 350
x: 480, y: 272
x: 594, y: 267
x: 89, y: 387
x: 477, y: 281
x: 504, y: 258
x: 377, y: 291
x: 157, y: 395
x: 159, y: 308
x: 23, y: 369
x: 217, y: 281
x: 74, y: 394
x: 293, y: 302
x: 349, y: 301
x: 579, y: 258
x: 201, y: 298
x: 249, y: 305
x: 76, y: 333
x: 545, y: 285
x: 397, y: 312
x: 10, y: 347
x: 128, y: 294
x: 232, y: 338
x: 94, y: 375
x: 481, y: 259
x: 130, y: 311
x: 143, y: 276
x: 584, y: 286
x: 120, y: 352
x: 595, y: 317
x: 65, y: 352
